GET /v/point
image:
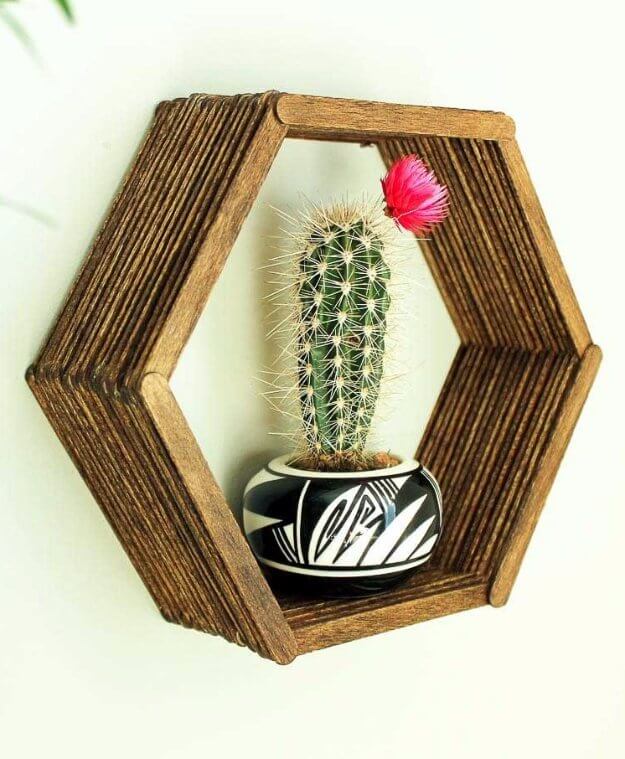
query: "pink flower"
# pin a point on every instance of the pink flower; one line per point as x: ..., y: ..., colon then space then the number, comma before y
x: 414, y: 197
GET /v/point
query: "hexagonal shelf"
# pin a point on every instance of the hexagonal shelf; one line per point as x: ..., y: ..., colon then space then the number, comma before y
x: 495, y: 437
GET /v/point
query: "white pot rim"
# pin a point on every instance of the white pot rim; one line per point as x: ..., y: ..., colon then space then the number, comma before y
x: 279, y: 466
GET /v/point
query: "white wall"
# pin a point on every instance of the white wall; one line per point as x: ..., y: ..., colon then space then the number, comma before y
x: 87, y: 667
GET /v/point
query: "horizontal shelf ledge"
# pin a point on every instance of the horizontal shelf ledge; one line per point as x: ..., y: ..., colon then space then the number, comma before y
x: 427, y: 595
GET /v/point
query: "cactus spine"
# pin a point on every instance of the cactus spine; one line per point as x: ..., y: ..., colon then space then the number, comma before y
x: 341, y: 300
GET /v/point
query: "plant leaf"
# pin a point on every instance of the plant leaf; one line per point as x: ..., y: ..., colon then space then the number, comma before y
x: 66, y: 9
x: 18, y: 30
x: 26, y: 210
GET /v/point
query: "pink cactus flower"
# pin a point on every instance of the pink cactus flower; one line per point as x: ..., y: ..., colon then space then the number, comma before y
x: 413, y: 195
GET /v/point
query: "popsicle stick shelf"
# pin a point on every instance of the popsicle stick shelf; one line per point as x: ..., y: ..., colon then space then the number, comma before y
x: 495, y: 437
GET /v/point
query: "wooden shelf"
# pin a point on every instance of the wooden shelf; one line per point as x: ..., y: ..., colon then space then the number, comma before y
x: 429, y: 594
x: 494, y: 441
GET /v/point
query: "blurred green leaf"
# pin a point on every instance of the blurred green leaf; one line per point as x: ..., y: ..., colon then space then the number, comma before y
x: 22, y: 35
x: 26, y: 210
x: 65, y: 9
x: 20, y: 32
x: 16, y: 27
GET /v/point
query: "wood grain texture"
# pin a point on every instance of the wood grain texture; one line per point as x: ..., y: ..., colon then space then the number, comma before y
x: 251, y: 597
x: 312, y: 117
x: 427, y: 595
x: 523, y: 527
x: 490, y: 436
x: 494, y: 260
x: 131, y: 309
x: 494, y: 440
x: 531, y: 209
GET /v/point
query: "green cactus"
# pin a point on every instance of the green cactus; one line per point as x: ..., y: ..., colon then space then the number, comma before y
x: 340, y: 283
x: 343, y: 302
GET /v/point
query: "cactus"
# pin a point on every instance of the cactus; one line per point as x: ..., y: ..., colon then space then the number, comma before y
x: 339, y: 277
x: 340, y: 281
x: 343, y: 299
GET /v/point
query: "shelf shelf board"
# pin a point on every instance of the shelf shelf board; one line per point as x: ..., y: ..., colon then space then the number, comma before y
x: 427, y: 595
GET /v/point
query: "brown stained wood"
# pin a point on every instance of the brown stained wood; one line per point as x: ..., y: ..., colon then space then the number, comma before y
x: 486, y: 444
x: 215, y: 516
x: 531, y: 210
x: 457, y: 594
x: 560, y: 436
x: 216, y: 245
x: 313, y: 117
x: 494, y: 440
x: 494, y: 262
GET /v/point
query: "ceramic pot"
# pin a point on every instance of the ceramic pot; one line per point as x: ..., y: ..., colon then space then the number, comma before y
x: 345, y: 533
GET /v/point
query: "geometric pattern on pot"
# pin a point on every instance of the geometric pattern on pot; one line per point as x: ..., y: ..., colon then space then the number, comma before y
x: 358, y: 527
x: 495, y: 438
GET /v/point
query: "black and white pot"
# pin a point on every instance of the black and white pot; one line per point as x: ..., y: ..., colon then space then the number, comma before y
x: 343, y: 533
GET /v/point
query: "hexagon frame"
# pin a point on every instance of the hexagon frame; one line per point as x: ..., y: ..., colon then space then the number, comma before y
x: 495, y: 438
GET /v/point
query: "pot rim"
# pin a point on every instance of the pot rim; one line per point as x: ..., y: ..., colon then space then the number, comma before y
x: 279, y: 466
